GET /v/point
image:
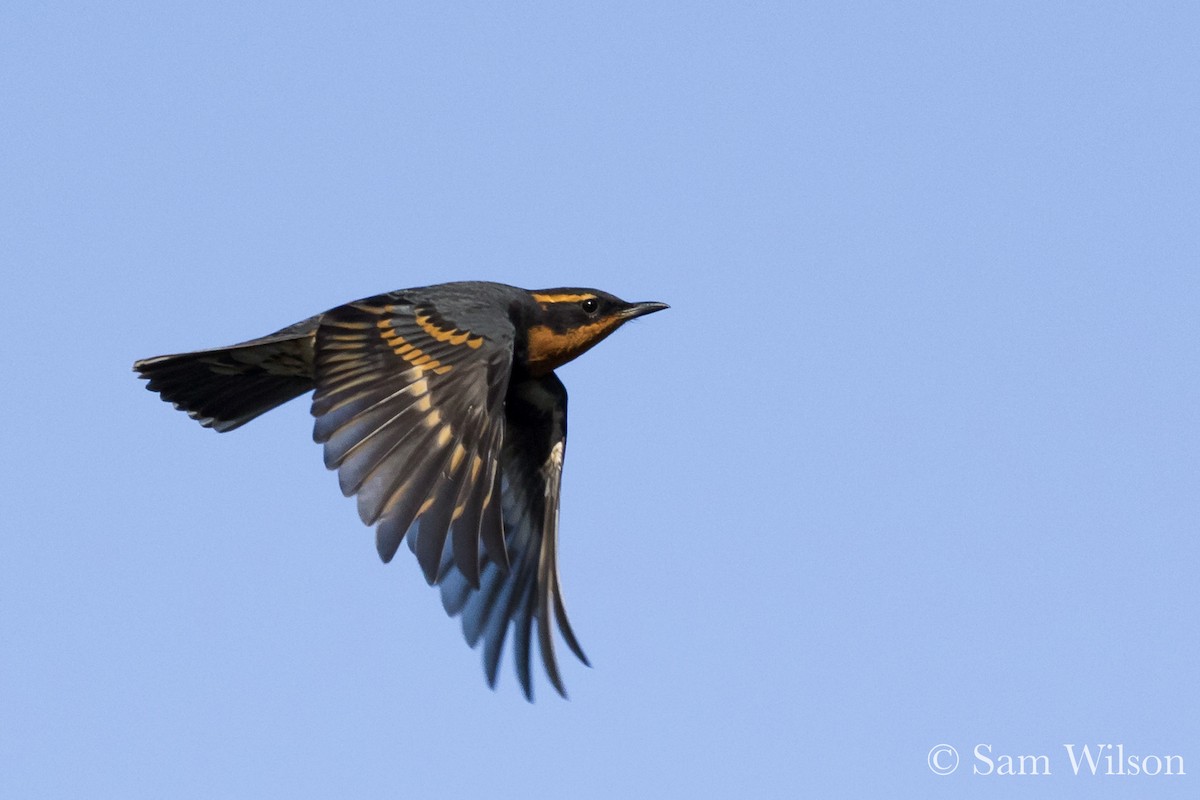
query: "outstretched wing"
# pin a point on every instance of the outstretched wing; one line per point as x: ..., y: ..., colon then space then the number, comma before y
x: 532, y: 458
x: 409, y: 405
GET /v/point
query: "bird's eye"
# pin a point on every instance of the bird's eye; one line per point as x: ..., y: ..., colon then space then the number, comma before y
x: 590, y: 305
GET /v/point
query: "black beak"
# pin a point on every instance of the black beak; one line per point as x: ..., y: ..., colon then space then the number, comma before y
x: 641, y: 309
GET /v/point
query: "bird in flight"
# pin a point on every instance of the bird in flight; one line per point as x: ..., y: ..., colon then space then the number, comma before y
x: 440, y: 410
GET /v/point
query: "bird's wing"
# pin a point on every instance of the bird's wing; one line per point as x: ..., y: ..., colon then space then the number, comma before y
x: 409, y: 405
x: 532, y: 458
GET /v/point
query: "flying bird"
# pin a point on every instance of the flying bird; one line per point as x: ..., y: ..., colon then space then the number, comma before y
x: 440, y: 410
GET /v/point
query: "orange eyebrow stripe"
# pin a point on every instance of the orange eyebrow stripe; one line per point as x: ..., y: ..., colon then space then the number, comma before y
x: 562, y: 298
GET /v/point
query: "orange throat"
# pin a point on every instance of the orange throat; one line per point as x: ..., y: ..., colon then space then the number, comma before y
x: 549, y: 349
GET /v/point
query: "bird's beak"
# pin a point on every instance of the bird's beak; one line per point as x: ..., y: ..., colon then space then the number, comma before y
x: 640, y: 310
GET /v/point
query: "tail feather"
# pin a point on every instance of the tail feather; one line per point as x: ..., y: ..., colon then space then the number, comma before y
x: 226, y: 387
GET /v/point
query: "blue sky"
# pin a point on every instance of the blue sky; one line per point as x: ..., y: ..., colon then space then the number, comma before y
x: 913, y: 458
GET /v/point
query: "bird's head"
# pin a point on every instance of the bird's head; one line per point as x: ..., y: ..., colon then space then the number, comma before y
x: 567, y: 322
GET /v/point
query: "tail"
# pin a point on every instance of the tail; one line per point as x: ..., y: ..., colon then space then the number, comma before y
x: 226, y: 387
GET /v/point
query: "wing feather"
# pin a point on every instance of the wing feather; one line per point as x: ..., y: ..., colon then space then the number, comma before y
x: 522, y: 644
x: 418, y: 416
x: 455, y: 482
x: 402, y: 396
x: 528, y: 590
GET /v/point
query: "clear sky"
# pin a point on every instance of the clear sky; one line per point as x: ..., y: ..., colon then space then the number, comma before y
x: 912, y: 460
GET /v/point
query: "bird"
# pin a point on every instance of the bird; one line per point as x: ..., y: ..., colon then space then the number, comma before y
x: 441, y: 412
